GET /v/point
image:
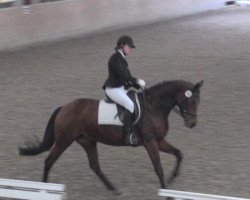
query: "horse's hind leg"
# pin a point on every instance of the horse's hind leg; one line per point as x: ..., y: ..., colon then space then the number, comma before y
x: 91, y: 150
x: 168, y: 148
x: 55, y: 153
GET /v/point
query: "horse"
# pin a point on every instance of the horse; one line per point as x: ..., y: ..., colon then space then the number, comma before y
x: 77, y: 121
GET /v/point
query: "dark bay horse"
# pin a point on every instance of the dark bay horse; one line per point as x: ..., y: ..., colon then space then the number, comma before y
x: 77, y: 121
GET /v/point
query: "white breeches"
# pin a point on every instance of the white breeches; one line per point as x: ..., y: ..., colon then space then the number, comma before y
x: 119, y: 95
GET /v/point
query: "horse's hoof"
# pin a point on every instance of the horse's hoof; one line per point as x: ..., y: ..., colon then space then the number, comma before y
x: 116, y: 192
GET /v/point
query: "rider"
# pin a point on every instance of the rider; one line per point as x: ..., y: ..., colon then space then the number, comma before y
x: 119, y: 80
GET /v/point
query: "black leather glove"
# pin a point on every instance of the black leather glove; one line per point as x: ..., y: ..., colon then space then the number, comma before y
x: 137, y: 86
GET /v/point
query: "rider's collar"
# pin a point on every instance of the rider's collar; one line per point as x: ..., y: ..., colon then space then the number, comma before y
x: 121, y: 52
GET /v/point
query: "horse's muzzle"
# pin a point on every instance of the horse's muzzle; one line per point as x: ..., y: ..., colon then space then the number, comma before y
x: 191, y: 123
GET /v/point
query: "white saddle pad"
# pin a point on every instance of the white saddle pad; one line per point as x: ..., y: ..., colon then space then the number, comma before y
x: 107, y: 114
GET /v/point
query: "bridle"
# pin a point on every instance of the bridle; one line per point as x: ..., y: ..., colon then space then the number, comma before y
x: 180, y: 112
x: 168, y: 105
x: 183, y: 112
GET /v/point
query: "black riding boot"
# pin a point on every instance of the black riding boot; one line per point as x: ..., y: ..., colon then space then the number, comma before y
x: 130, y: 137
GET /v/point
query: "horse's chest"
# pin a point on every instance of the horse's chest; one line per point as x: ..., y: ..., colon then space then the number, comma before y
x: 160, y: 125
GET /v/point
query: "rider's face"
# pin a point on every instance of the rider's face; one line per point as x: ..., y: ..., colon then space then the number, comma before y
x: 126, y: 49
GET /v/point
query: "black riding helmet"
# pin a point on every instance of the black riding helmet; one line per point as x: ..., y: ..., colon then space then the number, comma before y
x: 125, y: 40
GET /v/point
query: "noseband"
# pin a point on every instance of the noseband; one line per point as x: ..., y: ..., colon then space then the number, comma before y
x: 182, y: 113
x: 168, y: 105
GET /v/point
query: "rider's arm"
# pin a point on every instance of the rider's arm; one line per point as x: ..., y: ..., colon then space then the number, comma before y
x: 122, y: 73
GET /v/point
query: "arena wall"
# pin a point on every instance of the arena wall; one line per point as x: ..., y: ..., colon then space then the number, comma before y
x: 46, y: 22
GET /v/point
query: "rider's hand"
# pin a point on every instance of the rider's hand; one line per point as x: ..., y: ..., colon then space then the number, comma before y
x: 141, y: 82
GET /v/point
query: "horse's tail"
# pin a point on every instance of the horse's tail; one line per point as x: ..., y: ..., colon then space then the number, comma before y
x: 48, y: 140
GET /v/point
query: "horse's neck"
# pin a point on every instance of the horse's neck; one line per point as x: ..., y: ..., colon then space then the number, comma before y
x: 162, y: 101
x: 167, y: 91
x: 164, y: 95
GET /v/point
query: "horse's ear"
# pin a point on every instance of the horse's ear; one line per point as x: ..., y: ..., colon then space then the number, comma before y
x: 198, y: 85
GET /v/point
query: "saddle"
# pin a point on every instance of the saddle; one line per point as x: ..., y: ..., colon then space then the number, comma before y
x: 133, y: 95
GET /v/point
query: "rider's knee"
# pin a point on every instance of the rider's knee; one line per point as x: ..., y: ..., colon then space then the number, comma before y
x: 130, y: 106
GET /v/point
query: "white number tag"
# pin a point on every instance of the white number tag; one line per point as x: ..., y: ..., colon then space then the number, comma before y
x: 188, y: 94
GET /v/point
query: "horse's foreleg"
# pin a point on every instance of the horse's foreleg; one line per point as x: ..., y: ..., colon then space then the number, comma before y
x: 152, y: 148
x: 168, y: 148
x: 91, y: 150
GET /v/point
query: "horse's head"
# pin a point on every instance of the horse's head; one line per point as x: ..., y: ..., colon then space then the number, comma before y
x: 187, y: 101
x: 185, y: 95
